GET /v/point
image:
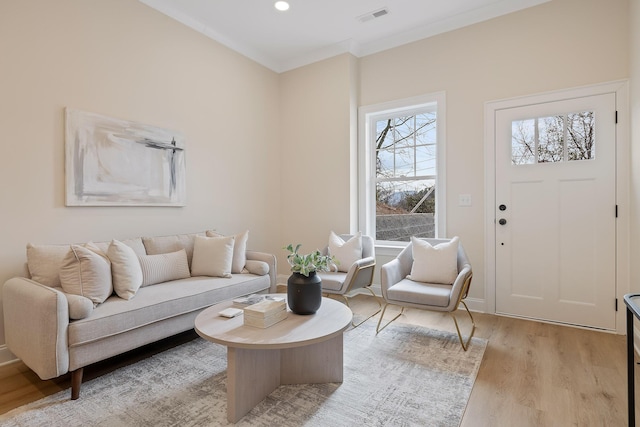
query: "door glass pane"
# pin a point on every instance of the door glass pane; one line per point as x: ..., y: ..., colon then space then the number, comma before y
x: 581, y: 136
x: 551, y: 139
x: 523, y: 134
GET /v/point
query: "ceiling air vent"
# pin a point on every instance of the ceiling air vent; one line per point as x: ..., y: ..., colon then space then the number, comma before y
x: 373, y: 15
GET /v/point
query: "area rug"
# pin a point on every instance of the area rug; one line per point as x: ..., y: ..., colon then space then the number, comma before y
x: 404, y: 376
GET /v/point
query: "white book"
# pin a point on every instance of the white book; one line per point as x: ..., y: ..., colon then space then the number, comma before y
x: 230, y: 312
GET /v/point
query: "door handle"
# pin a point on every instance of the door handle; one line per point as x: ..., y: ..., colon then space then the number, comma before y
x: 502, y: 221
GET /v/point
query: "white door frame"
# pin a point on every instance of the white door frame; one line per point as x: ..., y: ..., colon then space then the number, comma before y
x: 621, y: 89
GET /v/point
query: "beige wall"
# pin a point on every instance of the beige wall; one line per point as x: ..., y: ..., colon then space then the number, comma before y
x: 123, y: 59
x: 560, y: 44
x: 318, y: 116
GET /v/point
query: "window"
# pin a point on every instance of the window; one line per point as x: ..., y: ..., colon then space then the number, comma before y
x: 566, y: 137
x: 400, y: 160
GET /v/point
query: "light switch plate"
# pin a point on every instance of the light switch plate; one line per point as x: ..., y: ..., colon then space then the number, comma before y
x: 464, y: 200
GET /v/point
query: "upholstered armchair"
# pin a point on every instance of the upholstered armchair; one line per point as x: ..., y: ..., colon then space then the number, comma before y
x: 354, y: 269
x: 437, y: 279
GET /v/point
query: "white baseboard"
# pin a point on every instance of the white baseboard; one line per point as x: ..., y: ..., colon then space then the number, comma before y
x: 476, y: 304
x: 6, y: 356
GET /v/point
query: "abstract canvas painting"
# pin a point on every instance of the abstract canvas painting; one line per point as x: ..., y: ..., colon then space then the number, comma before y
x: 113, y: 162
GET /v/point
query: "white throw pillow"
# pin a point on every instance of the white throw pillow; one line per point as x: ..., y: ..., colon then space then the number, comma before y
x: 434, y: 264
x: 86, y: 273
x: 212, y: 256
x: 345, y: 253
x: 161, y: 268
x: 239, y: 249
x: 125, y: 269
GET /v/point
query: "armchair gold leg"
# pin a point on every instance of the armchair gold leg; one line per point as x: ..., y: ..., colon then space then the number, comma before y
x: 463, y: 343
x: 378, y: 328
x: 346, y: 301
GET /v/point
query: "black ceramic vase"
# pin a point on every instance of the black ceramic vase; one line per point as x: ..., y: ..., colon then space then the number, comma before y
x: 304, y: 294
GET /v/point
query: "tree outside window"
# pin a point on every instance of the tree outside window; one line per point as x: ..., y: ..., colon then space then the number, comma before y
x: 406, y: 160
x: 565, y: 137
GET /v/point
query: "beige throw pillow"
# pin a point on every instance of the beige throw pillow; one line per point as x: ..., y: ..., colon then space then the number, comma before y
x: 79, y: 306
x: 164, y: 267
x: 345, y: 253
x: 125, y: 269
x: 212, y: 256
x: 86, y: 273
x: 259, y: 268
x: 239, y: 260
x: 434, y: 264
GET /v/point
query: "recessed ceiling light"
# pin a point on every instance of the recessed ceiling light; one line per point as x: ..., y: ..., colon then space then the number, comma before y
x: 282, y: 5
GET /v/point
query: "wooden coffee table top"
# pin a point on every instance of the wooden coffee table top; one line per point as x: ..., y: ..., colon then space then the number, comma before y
x: 296, y: 330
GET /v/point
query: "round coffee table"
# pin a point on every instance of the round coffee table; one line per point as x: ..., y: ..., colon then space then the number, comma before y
x: 298, y: 350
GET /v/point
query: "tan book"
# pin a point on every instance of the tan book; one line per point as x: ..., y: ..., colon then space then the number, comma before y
x: 265, y: 322
x: 265, y: 308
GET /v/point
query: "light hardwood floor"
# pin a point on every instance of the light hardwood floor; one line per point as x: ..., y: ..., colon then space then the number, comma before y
x: 532, y: 374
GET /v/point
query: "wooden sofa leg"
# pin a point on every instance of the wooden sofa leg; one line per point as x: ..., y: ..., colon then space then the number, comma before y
x: 76, y: 382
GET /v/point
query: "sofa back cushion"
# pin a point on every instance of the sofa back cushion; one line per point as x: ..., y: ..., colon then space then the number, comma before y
x: 168, y: 244
x: 135, y: 244
x: 44, y: 261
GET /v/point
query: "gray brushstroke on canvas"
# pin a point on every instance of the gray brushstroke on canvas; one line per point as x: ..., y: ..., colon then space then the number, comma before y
x: 172, y: 161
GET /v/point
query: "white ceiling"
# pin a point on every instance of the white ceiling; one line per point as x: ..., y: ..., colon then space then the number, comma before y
x: 312, y: 30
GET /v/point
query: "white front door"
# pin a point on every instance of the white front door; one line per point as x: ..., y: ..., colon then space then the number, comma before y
x: 556, y: 211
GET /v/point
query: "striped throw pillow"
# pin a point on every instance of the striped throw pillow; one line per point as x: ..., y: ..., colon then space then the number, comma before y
x: 164, y: 267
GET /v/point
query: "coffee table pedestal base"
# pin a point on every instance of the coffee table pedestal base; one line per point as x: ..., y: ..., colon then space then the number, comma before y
x: 254, y: 373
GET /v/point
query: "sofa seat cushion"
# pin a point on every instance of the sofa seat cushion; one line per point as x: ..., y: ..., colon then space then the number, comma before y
x: 162, y: 301
x: 421, y: 293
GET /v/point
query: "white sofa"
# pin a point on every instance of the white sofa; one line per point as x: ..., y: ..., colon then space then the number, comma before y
x: 55, y: 332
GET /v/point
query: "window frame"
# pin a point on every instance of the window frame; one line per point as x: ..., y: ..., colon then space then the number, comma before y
x: 368, y: 115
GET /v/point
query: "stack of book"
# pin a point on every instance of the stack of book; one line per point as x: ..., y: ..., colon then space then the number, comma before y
x: 265, y: 313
